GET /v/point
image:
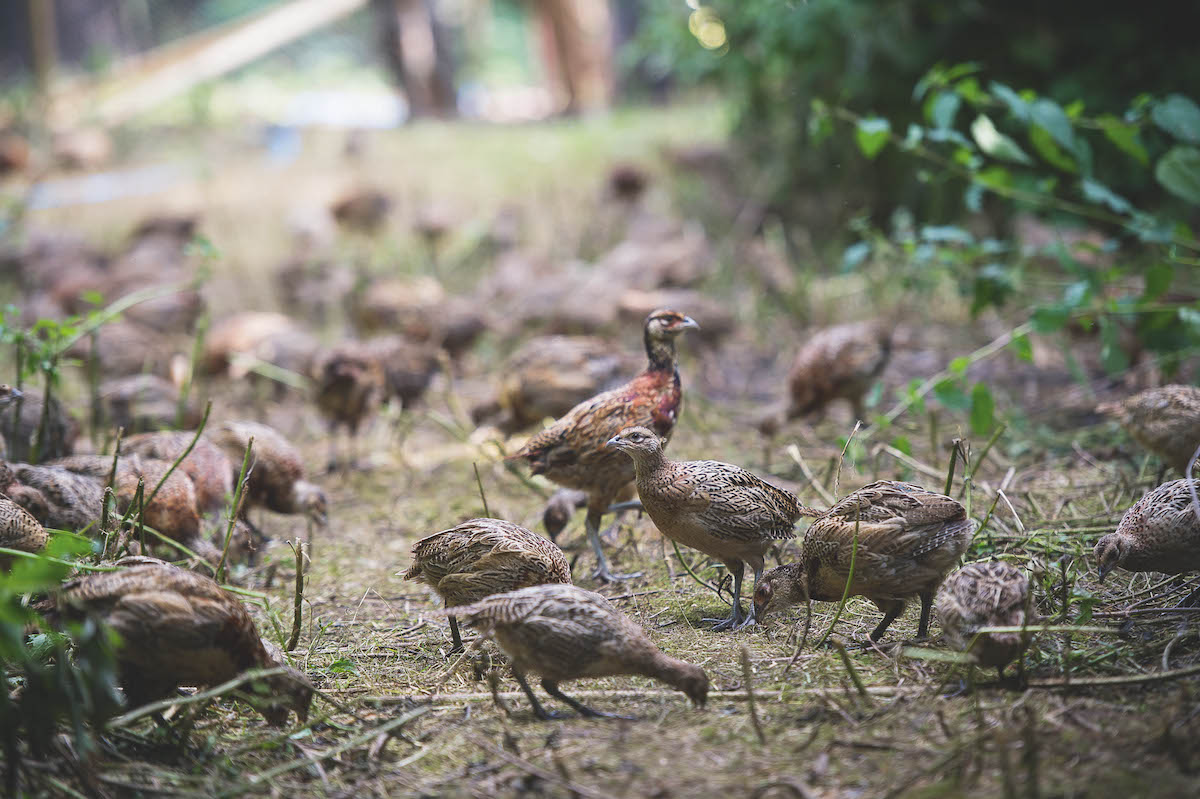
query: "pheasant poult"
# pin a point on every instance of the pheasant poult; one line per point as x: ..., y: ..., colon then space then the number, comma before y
x: 56, y: 497
x: 717, y: 508
x: 566, y: 633
x: 209, y: 468
x: 980, y: 595
x: 18, y: 528
x: 1164, y: 420
x: 572, y: 451
x: 349, y: 386
x: 276, y: 480
x: 482, y: 557
x: 840, y: 362
x: 1160, y: 533
x: 908, y: 538
x: 179, y: 628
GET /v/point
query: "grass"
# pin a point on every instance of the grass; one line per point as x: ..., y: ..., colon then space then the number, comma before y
x: 839, y: 722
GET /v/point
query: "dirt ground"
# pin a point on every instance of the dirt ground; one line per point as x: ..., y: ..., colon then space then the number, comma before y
x: 1101, y: 713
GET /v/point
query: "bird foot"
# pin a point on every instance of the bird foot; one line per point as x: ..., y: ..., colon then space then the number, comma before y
x: 731, y: 623
x: 605, y: 576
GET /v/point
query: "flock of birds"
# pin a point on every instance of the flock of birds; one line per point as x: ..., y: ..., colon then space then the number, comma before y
x: 888, y: 541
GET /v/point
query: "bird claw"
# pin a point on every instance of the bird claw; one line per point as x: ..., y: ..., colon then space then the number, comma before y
x: 605, y: 576
x: 731, y: 623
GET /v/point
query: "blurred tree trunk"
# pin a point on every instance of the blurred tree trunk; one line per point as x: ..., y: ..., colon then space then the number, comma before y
x: 577, y: 46
x: 417, y: 53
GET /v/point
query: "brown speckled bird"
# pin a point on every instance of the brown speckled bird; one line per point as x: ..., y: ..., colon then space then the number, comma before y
x: 550, y: 375
x: 56, y: 497
x: 1164, y: 420
x: 566, y: 633
x: 145, y: 402
x: 908, y: 539
x: 717, y: 508
x: 481, y: 557
x: 276, y: 479
x: 207, y: 465
x: 172, y: 511
x: 18, y: 528
x: 840, y: 362
x: 572, y: 451
x: 348, y: 384
x: 408, y: 366
x: 979, y: 595
x: 560, y: 508
x: 179, y: 628
x: 1160, y: 533
x: 21, y: 419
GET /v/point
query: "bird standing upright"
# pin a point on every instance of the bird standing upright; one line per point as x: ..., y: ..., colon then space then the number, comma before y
x: 720, y: 509
x: 572, y: 451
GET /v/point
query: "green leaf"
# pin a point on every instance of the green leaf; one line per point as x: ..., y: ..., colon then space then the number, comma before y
x: 341, y: 666
x: 983, y: 410
x: 1158, y: 280
x: 1046, y: 147
x: 971, y: 92
x: 1097, y: 193
x: 994, y: 177
x: 951, y: 395
x: 1050, y: 320
x: 942, y: 109
x: 1023, y: 347
x: 1016, y: 105
x: 993, y: 285
x: 959, y: 365
x: 903, y: 444
x: 946, y: 234
x: 1077, y: 294
x: 1049, y: 115
x: 1179, y: 172
x: 872, y: 135
x: 1125, y: 137
x: 1179, y: 116
x: 1190, y: 317
x: 995, y: 143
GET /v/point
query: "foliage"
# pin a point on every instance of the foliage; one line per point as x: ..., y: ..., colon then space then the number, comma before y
x: 53, y: 685
x: 773, y: 58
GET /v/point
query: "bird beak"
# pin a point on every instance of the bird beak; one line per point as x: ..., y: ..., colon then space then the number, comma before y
x: 613, y: 442
x: 1104, y: 570
x: 689, y: 323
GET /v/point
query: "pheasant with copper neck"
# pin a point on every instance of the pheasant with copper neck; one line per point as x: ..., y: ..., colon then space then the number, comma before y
x: 571, y: 452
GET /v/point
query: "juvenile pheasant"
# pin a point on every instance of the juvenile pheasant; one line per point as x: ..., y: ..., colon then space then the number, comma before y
x: 56, y: 497
x: 176, y: 628
x: 907, y: 540
x: 566, y: 633
x: 209, y: 468
x: 349, y: 384
x: 720, y: 509
x: 276, y: 480
x: 979, y: 595
x: 840, y: 362
x: 1164, y: 420
x: 1160, y: 533
x: 571, y: 452
x: 482, y: 557
x: 550, y: 375
x: 18, y: 528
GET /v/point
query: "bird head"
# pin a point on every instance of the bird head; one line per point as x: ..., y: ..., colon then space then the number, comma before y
x: 694, y: 683
x: 312, y: 500
x: 289, y: 691
x: 635, y: 441
x: 1110, y: 551
x: 9, y: 395
x: 779, y: 588
x: 662, y: 324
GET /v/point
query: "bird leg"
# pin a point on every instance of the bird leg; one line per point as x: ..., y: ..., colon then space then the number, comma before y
x: 618, y: 507
x: 893, y: 610
x: 332, y: 464
x: 454, y: 635
x: 593, y: 533
x: 538, y: 711
x: 926, y: 607
x: 551, y: 687
x: 737, y: 618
